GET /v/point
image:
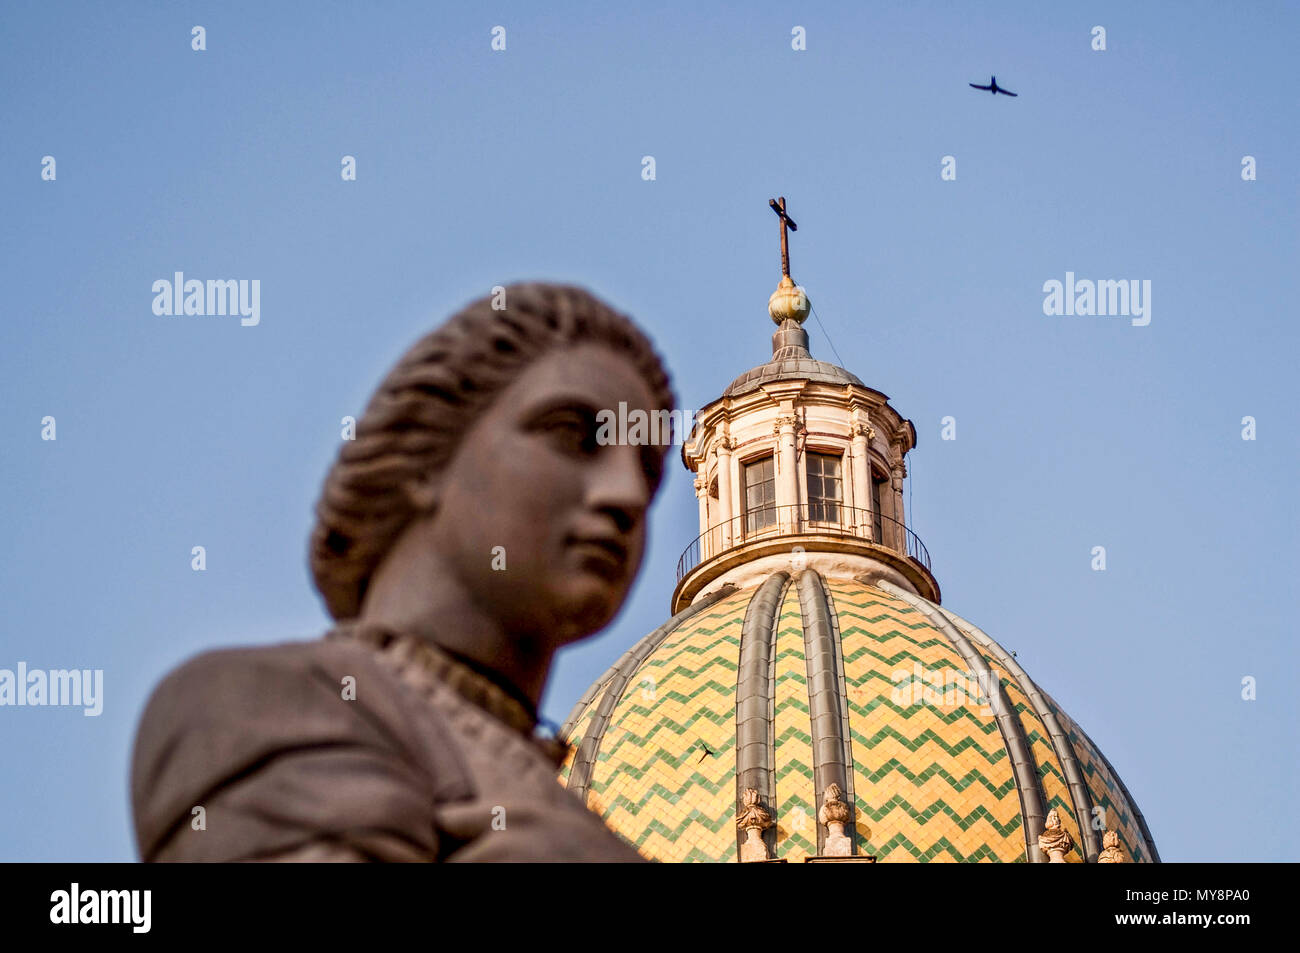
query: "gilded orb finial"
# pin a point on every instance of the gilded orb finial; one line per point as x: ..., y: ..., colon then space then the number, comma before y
x: 788, y: 302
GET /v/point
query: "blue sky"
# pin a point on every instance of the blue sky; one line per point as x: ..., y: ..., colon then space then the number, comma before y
x: 477, y: 168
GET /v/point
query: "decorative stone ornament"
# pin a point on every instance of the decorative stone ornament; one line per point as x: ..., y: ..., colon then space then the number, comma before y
x: 753, y: 819
x: 1055, y: 841
x: 834, y: 814
x: 1111, y: 852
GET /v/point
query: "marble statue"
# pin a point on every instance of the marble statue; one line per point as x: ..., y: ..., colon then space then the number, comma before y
x: 475, y: 526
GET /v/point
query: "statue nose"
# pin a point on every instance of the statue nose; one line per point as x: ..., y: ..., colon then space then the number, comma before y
x: 619, y: 487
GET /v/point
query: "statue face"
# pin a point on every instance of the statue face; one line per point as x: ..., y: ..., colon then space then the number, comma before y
x: 568, y: 513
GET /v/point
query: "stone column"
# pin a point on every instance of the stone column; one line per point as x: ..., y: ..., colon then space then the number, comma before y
x: 896, y: 484
x: 723, y: 535
x: 862, y: 479
x: 702, y: 495
x: 787, y: 477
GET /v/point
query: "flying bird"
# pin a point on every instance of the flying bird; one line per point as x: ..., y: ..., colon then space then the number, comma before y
x: 993, y: 87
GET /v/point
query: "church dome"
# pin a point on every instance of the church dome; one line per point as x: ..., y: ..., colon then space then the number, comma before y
x: 810, y: 698
x: 803, y: 681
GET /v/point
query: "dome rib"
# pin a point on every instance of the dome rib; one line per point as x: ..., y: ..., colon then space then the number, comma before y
x: 837, y: 647
x: 1137, y: 812
x: 576, y: 711
x: 825, y: 696
x: 584, y: 761
x: 1080, y: 797
x: 755, y: 703
x: 594, y: 688
x: 1024, y: 769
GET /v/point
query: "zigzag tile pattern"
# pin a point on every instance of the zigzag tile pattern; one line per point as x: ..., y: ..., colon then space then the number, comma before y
x: 796, y: 794
x: 1106, y: 794
x: 665, y: 775
x: 933, y: 782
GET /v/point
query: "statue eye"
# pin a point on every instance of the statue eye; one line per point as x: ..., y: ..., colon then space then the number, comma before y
x: 571, y: 430
x: 652, y: 462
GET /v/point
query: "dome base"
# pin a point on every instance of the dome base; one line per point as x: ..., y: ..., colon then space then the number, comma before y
x: 835, y: 557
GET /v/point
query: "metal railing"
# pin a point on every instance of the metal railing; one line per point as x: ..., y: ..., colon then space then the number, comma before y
x: 822, y: 518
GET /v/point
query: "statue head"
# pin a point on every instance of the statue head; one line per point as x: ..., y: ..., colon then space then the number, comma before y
x: 481, y: 444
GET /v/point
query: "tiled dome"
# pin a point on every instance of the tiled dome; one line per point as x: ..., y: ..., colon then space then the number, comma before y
x: 785, y: 686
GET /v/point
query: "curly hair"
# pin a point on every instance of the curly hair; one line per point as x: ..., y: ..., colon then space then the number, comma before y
x: 426, y: 404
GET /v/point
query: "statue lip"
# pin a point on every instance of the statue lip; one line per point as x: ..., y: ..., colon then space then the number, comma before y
x: 608, y: 550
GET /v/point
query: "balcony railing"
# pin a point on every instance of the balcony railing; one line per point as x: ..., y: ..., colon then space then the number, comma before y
x: 820, y: 518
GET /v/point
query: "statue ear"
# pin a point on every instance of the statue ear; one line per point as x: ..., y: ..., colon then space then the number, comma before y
x: 422, y: 492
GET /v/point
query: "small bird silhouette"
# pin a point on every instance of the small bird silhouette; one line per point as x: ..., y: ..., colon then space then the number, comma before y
x: 993, y: 87
x: 707, y: 752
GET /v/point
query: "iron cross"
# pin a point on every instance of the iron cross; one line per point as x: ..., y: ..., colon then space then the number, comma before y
x: 778, y: 206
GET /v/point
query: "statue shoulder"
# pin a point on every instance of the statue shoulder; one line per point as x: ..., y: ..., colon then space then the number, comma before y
x: 235, y: 729
x: 250, y: 683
